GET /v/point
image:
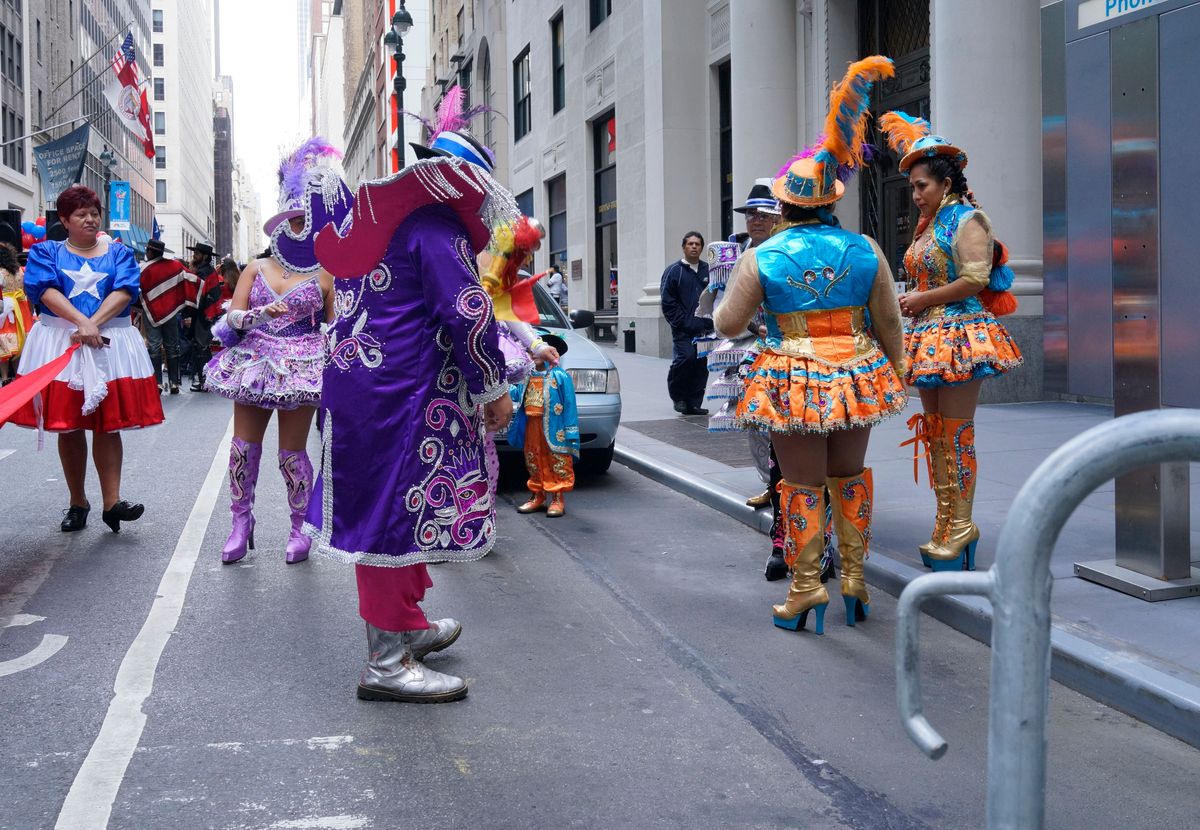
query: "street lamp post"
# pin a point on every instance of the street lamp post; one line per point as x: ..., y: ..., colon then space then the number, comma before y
x: 401, y: 23
x: 108, y: 160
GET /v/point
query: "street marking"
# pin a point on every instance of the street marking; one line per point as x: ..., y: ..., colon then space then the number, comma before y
x: 47, y: 648
x: 5, y: 454
x: 90, y: 800
x: 13, y: 602
x: 322, y: 823
x: 21, y: 619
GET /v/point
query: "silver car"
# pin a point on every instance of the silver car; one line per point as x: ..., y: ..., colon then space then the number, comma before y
x: 597, y: 385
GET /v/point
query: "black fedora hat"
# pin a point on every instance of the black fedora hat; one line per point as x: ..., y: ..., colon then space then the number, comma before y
x: 559, y: 344
x: 760, y: 199
x: 202, y: 248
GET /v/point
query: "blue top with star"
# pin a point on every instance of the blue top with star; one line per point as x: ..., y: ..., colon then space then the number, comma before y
x: 83, y: 281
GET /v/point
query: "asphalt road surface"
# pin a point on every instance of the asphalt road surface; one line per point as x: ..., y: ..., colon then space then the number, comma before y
x: 623, y: 667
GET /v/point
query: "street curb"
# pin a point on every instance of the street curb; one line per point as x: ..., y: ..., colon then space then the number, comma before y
x: 1109, y: 676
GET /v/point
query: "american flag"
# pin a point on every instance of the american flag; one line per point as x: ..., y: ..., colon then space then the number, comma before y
x: 126, y: 93
x: 127, y: 47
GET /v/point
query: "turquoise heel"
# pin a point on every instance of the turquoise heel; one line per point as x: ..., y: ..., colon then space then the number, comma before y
x: 797, y: 622
x: 926, y: 561
x: 856, y: 610
x: 965, y: 561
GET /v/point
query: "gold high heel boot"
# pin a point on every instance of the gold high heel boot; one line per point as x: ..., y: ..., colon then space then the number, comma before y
x: 956, y: 551
x: 803, y: 509
x: 852, y: 498
x: 942, y: 481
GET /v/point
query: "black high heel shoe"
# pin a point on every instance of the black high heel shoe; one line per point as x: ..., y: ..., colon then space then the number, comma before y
x: 74, y: 518
x: 122, y: 511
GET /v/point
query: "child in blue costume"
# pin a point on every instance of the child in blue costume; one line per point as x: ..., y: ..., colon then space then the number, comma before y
x: 546, y: 425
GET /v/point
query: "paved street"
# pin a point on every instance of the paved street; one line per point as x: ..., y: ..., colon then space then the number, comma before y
x: 623, y: 668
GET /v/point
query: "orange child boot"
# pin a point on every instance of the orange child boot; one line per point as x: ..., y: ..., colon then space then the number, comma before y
x: 537, y: 501
x: 803, y: 510
x: 557, y: 506
x: 852, y: 498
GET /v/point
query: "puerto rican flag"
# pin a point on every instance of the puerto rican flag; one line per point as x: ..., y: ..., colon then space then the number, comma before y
x: 127, y: 95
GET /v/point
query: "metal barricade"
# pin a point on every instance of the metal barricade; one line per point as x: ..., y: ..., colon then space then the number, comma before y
x: 1018, y: 586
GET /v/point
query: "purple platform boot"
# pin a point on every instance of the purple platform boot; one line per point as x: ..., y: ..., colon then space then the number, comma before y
x: 298, y: 476
x: 244, y: 458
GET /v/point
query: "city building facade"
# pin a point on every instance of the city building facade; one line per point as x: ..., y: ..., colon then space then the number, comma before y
x: 182, y: 95
x: 624, y: 125
x: 18, y: 53
x: 222, y: 164
x: 328, y: 81
x: 248, y: 240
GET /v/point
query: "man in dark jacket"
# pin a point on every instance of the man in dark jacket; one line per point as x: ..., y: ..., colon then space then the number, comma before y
x: 682, y: 284
x: 208, y: 307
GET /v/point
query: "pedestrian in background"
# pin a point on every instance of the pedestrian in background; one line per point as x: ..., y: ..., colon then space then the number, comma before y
x: 683, y: 282
x: 556, y: 285
x: 166, y: 288
x: 208, y: 308
x: 83, y: 289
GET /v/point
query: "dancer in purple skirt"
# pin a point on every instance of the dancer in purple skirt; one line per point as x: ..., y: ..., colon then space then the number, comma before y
x: 273, y: 361
x: 415, y: 377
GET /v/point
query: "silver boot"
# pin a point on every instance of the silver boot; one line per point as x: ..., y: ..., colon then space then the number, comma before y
x: 394, y: 673
x: 440, y: 634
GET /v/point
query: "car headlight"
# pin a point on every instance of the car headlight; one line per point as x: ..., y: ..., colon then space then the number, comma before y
x: 595, y: 381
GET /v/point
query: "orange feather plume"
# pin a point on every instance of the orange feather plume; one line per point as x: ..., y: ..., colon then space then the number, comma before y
x: 845, y: 125
x: 903, y: 130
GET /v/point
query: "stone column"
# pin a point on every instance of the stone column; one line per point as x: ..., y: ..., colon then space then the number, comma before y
x: 765, y: 95
x: 986, y: 97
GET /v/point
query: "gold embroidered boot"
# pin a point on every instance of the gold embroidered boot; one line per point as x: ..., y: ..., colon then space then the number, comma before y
x: 956, y: 551
x: 852, y: 498
x: 803, y: 509
x: 942, y: 481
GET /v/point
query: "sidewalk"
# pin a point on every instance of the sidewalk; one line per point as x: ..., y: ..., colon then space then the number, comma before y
x: 1140, y: 657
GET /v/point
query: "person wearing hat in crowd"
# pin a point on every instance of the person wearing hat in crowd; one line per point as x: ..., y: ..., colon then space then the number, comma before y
x: 681, y: 286
x: 825, y: 375
x: 167, y: 289
x: 956, y: 284
x: 545, y: 425
x: 273, y: 360
x: 414, y: 379
x: 208, y: 308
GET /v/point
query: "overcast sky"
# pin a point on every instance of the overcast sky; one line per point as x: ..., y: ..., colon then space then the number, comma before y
x: 258, y: 50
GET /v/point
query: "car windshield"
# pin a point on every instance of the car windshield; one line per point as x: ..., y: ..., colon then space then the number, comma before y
x: 549, y: 313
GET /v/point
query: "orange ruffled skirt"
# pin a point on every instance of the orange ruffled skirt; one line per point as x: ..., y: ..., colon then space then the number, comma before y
x: 949, y: 350
x: 787, y: 393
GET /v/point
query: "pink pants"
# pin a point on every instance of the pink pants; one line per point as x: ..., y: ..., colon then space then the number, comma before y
x: 388, y: 597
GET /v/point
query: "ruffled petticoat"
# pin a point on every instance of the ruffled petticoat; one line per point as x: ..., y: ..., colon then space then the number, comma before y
x: 949, y: 350
x: 114, y: 384
x: 787, y: 393
x: 726, y: 384
x: 269, y: 371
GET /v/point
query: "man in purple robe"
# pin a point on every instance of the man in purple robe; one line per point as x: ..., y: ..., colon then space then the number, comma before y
x: 414, y: 377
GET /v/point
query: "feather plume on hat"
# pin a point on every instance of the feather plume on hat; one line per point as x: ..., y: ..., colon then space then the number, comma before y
x: 296, y: 168
x: 903, y: 130
x: 450, y: 116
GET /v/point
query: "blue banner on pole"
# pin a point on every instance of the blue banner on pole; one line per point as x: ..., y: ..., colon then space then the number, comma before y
x: 120, y: 211
x: 60, y: 162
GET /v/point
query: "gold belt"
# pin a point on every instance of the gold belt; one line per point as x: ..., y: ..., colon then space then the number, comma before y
x: 834, y: 335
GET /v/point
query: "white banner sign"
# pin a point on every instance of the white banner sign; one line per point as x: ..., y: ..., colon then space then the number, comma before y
x: 1092, y: 12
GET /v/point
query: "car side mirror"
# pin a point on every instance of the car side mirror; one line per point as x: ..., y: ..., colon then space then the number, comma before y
x: 581, y: 318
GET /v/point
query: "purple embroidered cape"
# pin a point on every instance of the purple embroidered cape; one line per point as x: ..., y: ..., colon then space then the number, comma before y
x: 412, y: 357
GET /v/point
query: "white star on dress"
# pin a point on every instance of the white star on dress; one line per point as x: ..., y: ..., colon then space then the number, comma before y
x: 86, y: 281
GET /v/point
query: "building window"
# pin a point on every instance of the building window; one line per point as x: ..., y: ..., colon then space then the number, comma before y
x: 160, y: 190
x: 160, y: 89
x: 158, y: 54
x: 39, y: 41
x: 522, y: 106
x: 604, y: 153
x: 464, y: 81
x: 601, y: 11
x: 158, y: 20
x: 525, y: 202
x: 558, y: 72
x: 460, y: 27
x: 41, y: 118
x: 556, y: 197
x: 160, y: 123
x: 160, y: 157
x: 485, y: 81
x: 13, y: 128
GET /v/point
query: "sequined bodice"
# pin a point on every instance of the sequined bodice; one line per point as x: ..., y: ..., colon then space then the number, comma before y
x: 925, y: 265
x: 305, y: 304
x: 813, y: 267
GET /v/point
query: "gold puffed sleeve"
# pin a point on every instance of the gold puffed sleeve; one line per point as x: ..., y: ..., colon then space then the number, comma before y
x: 973, y: 249
x: 743, y: 296
x: 885, y: 312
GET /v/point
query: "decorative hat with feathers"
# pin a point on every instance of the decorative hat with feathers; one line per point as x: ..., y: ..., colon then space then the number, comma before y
x: 307, y: 164
x: 817, y: 176
x: 912, y: 138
